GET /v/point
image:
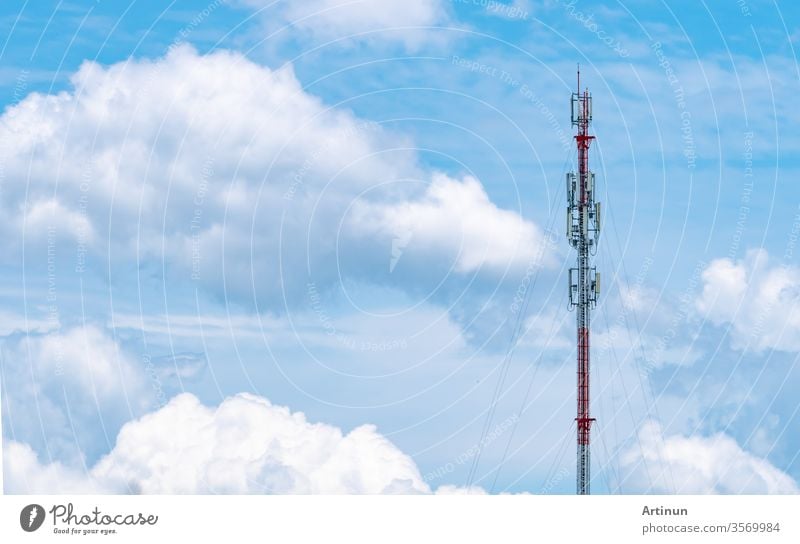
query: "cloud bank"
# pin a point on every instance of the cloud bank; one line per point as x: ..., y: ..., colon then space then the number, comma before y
x: 698, y: 464
x: 228, y: 175
x: 244, y: 445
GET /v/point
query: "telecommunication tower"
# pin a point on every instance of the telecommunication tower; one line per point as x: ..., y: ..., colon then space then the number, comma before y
x: 583, y: 230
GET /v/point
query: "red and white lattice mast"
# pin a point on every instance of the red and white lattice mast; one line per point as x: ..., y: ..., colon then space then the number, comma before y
x: 583, y: 229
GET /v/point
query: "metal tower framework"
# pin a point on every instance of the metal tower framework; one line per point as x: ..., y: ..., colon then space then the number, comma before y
x: 583, y: 230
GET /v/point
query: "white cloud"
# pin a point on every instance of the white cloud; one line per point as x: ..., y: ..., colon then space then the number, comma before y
x: 12, y: 322
x: 362, y: 20
x: 234, y: 178
x: 51, y: 218
x: 65, y: 391
x: 174, y: 152
x: 698, y: 464
x: 455, y: 490
x: 197, y: 325
x: 25, y: 474
x: 637, y: 298
x: 248, y: 445
x: 646, y: 348
x: 724, y: 287
x: 84, y: 357
x: 244, y: 445
x: 455, y: 219
x: 549, y: 329
x: 179, y: 366
x: 757, y: 299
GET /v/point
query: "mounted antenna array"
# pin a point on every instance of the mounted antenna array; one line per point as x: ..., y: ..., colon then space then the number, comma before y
x: 583, y: 231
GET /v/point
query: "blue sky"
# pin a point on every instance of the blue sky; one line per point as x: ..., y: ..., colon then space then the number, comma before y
x: 335, y: 206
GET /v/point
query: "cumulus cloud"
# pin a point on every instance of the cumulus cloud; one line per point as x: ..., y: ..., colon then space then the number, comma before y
x: 235, y: 179
x: 50, y: 217
x: 455, y: 219
x: 24, y: 473
x: 756, y: 298
x: 698, y: 464
x: 72, y: 393
x: 64, y: 392
x: 184, y: 154
x: 244, y: 445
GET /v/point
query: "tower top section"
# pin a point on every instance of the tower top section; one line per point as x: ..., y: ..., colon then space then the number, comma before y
x: 581, y: 106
